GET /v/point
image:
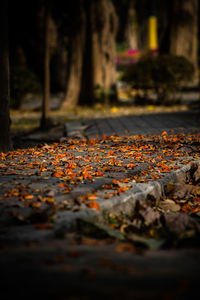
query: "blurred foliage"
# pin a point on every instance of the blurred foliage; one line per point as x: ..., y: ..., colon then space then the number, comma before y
x: 123, y: 46
x: 22, y: 82
x: 164, y: 75
x: 105, y: 95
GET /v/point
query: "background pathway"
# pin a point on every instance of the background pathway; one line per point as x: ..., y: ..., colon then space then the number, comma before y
x: 145, y: 124
x: 180, y: 122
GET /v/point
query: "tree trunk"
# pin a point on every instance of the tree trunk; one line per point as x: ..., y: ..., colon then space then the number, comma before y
x: 103, y: 33
x: 128, y: 25
x: 45, y: 120
x: 59, y: 69
x: 5, y: 141
x: 92, y: 54
x: 99, y: 70
x: 75, y: 56
x: 164, y: 21
x: 184, y: 32
x: 131, y: 33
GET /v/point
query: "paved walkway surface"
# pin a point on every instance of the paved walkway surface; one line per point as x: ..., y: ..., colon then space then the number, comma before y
x: 145, y: 124
x: 36, y: 263
x: 180, y: 122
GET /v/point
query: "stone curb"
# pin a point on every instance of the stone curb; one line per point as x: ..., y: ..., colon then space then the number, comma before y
x: 127, y: 201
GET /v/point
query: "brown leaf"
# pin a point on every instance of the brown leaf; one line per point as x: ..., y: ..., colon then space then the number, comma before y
x: 148, y: 214
x: 196, y: 174
x: 179, y: 222
x: 169, y: 205
x: 50, y: 193
x: 179, y: 190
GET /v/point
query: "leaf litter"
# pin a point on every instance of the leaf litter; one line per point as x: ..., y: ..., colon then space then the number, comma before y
x: 37, y: 182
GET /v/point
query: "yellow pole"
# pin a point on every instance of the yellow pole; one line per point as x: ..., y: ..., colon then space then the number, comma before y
x: 153, y: 35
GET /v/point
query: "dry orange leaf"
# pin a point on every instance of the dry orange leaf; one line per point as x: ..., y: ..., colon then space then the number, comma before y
x: 121, y: 190
x: 130, y: 166
x: 36, y: 204
x: 93, y: 205
x: 124, y: 247
x: 92, y: 197
x: 164, y: 133
x: 61, y: 185
x: 50, y: 199
x: 28, y: 197
x: 115, y: 181
x: 99, y: 173
x: 42, y: 169
x: 106, y: 187
x: 2, y: 166
x: 57, y: 174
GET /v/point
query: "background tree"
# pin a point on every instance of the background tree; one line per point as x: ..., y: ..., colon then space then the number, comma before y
x: 128, y: 23
x: 27, y: 44
x: 82, y: 37
x: 45, y: 119
x: 184, y: 31
x: 92, y: 70
x: 5, y: 141
x: 76, y: 43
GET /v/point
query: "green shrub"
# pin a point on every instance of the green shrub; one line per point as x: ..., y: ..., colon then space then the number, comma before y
x: 22, y: 82
x: 164, y: 74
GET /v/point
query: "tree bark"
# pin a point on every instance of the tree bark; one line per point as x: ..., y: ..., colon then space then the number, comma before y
x: 59, y: 69
x: 45, y: 119
x: 75, y: 57
x: 131, y: 33
x: 5, y: 141
x: 128, y: 25
x: 92, y: 54
x: 104, y: 29
x: 184, y: 32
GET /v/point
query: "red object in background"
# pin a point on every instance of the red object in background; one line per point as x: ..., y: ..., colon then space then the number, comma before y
x: 131, y: 56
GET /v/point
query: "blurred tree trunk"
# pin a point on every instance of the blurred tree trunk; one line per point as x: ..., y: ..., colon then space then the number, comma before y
x: 92, y: 54
x: 99, y: 69
x: 164, y: 21
x: 58, y: 68
x: 128, y: 25
x: 184, y: 32
x: 5, y: 141
x: 45, y: 119
x: 131, y: 33
x: 104, y: 30
x: 75, y: 55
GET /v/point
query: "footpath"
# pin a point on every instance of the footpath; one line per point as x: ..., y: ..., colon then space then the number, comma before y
x: 109, y: 210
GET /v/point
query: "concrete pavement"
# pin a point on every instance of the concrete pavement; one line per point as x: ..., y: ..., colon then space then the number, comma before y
x: 142, y: 124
